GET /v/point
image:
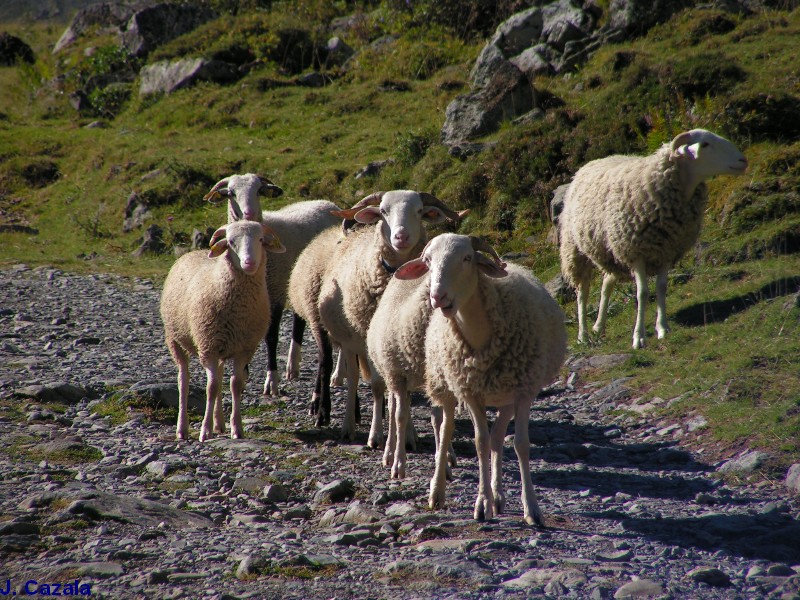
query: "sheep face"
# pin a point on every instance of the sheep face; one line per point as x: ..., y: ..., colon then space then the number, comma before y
x: 706, y: 155
x: 242, y: 192
x: 401, y: 213
x: 245, y: 243
x: 454, y: 265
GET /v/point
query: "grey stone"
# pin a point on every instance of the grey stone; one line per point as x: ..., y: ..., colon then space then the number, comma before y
x: 101, y: 17
x: 155, y: 25
x: 159, y: 468
x: 335, y: 491
x: 274, y: 493
x: 166, y: 77
x: 638, y: 16
x: 337, y: 52
x: 57, y: 391
x: 710, y: 575
x: 640, y: 588
x: 747, y: 462
x: 518, y: 32
x: 251, y: 485
x: 359, y: 514
x: 792, y: 480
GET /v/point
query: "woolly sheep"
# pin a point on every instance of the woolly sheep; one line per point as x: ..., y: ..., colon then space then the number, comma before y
x: 214, y: 309
x: 296, y: 225
x: 626, y: 214
x: 496, y: 339
x: 359, y: 270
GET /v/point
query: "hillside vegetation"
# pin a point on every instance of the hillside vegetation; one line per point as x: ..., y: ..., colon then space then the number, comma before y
x: 734, y: 352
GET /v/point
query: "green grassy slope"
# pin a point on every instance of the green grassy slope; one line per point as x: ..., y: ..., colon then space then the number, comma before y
x: 733, y: 352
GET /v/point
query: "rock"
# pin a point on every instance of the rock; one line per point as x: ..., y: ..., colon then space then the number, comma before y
x: 640, y: 588
x: 103, y: 17
x: 638, y: 16
x: 374, y: 168
x: 18, y: 528
x: 155, y: 25
x: 13, y: 50
x: 136, y: 212
x: 539, y: 578
x: 314, y: 80
x: 747, y: 462
x: 159, y: 468
x: 166, y: 394
x: 166, y: 77
x: 274, y: 493
x: 519, y: 32
x: 401, y: 509
x: 710, y: 575
x: 152, y: 243
x: 59, y: 392
x: 508, y: 95
x: 359, y: 514
x: 250, y: 566
x: 558, y: 288
x: 335, y: 491
x: 792, y: 480
x: 337, y: 52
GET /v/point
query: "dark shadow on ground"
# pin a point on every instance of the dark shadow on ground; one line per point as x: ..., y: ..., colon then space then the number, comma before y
x: 719, y: 310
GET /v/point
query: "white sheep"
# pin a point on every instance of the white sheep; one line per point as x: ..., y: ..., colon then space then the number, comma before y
x: 359, y: 269
x: 396, y: 346
x: 214, y: 309
x: 626, y: 214
x: 296, y: 225
x: 496, y: 339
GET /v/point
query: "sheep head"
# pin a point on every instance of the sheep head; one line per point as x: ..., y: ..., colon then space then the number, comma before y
x: 703, y: 154
x: 454, y: 262
x: 242, y: 192
x: 245, y: 242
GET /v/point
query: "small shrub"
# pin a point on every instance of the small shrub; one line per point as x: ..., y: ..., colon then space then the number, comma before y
x: 763, y: 117
x: 412, y: 146
x: 109, y: 101
x: 40, y: 173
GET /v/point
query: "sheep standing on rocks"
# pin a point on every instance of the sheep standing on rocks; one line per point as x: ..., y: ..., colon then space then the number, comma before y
x: 360, y: 269
x: 495, y: 338
x: 296, y: 225
x: 626, y: 214
x: 214, y: 309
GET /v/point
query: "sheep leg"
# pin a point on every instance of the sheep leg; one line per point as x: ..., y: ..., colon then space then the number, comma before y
x: 219, y: 419
x: 484, y: 504
x: 436, y: 422
x: 642, y: 292
x: 293, y: 359
x: 182, y: 361
x: 661, y: 304
x: 496, y: 441
x: 402, y: 411
x: 411, y: 432
x: 438, y: 482
x: 583, y: 300
x: 376, y: 428
x: 522, y: 446
x: 349, y: 422
x: 321, y: 399
x: 271, y: 387
x: 337, y: 379
x: 391, y: 436
x: 212, y: 391
x: 609, y: 281
x: 238, y: 381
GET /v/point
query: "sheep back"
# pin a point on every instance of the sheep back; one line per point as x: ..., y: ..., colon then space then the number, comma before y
x: 396, y: 336
x: 525, y: 351
x: 622, y: 209
x: 307, y: 274
x: 210, y: 307
x: 296, y: 225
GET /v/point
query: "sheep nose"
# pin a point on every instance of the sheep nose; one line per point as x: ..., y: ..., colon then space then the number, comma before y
x: 438, y: 299
x: 249, y: 216
x: 402, y: 236
x: 248, y: 264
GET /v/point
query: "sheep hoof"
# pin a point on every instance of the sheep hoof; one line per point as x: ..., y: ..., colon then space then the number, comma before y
x: 271, y: 384
x: 182, y: 435
x: 499, y: 503
x: 436, y: 500
x: 204, y: 434
x: 638, y: 343
x: 399, y: 472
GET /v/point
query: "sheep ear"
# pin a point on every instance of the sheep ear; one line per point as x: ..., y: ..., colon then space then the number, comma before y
x: 433, y: 215
x: 217, y: 195
x: 234, y: 210
x: 489, y: 267
x: 269, y: 189
x: 413, y: 269
x: 271, y: 241
x: 368, y: 215
x: 218, y: 248
x: 345, y: 213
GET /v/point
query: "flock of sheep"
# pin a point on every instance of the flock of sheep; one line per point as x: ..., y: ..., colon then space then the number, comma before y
x: 446, y: 315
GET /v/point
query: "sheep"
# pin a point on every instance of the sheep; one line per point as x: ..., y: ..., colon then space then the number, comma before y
x: 358, y: 270
x: 396, y: 346
x: 626, y: 214
x: 495, y: 338
x: 214, y: 309
x: 296, y: 225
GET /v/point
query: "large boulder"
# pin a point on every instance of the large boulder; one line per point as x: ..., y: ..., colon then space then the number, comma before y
x: 168, y: 76
x: 507, y: 95
x: 13, y: 49
x: 103, y: 17
x: 635, y: 17
x: 155, y: 25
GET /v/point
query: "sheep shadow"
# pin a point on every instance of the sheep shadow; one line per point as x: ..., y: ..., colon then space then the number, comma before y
x: 772, y: 536
x: 719, y: 310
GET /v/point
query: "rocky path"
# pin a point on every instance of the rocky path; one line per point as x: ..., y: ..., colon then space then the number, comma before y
x: 97, y: 496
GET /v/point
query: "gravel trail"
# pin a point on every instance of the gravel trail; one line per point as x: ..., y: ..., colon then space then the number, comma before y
x: 115, y: 506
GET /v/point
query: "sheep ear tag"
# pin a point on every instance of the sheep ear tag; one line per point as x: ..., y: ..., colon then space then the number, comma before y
x: 218, y: 248
x: 433, y: 215
x: 273, y: 244
x: 215, y: 196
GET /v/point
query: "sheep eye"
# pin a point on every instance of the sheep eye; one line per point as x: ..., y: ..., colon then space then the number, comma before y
x: 383, y: 212
x: 467, y: 258
x: 705, y: 144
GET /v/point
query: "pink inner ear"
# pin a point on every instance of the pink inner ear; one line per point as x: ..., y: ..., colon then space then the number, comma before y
x: 413, y: 269
x: 368, y: 215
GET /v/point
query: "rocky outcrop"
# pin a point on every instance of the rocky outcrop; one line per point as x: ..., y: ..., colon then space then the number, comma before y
x: 155, y: 25
x: 103, y: 17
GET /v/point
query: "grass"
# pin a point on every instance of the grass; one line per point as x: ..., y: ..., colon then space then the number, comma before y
x: 64, y: 187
